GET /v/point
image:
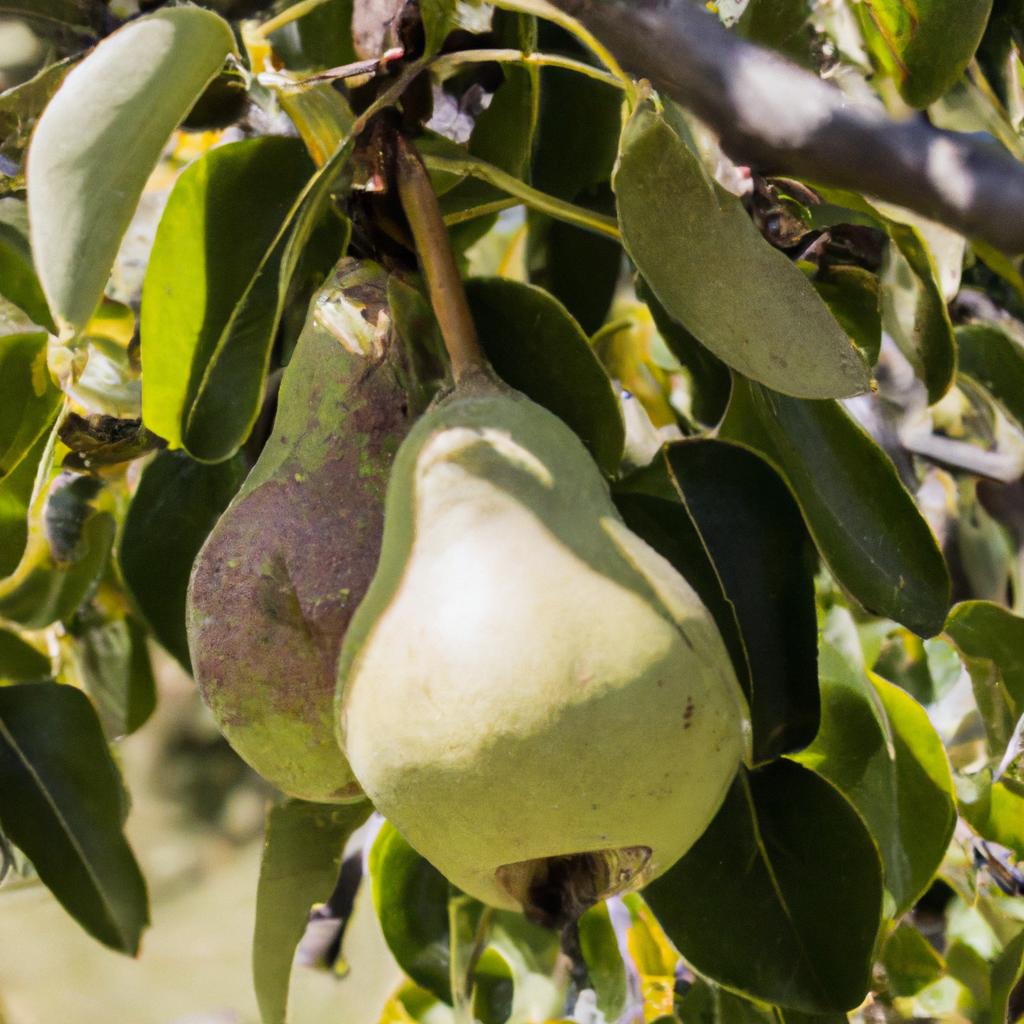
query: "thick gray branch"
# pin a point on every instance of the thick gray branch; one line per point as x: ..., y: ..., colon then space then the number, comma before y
x: 778, y: 117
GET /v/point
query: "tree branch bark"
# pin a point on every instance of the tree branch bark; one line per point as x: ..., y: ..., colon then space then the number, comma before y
x: 774, y: 115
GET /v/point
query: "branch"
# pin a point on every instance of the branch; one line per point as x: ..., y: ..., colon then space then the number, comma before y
x: 770, y: 113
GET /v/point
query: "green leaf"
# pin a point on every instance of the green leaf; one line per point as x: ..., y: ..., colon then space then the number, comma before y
x: 926, y: 44
x: 494, y: 988
x: 224, y: 214
x: 579, y: 268
x: 579, y: 123
x: 302, y: 852
x: 538, y: 348
x: 776, y: 23
x: 852, y: 294
x: 503, y: 134
x: 20, y: 662
x: 877, y: 747
x: 176, y: 505
x: 321, y: 38
x: 69, y: 536
x: 28, y: 397
x: 862, y: 519
x: 605, y: 966
x: 411, y: 897
x: 991, y: 641
x: 995, y: 360
x: 780, y: 899
x: 438, y: 20
x: 15, y: 498
x: 914, y: 309
x: 761, y: 551
x: 113, y: 664
x: 18, y: 281
x: 1006, y: 973
x: 994, y: 811
x: 61, y: 803
x: 697, y: 248
x: 910, y: 961
x: 82, y: 15
x: 98, y: 141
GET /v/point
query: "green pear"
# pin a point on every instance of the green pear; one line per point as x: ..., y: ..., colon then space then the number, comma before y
x: 275, y: 586
x: 533, y: 696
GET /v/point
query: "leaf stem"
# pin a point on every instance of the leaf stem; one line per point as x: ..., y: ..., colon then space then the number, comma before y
x: 447, y: 295
x: 541, y: 201
x: 541, y: 60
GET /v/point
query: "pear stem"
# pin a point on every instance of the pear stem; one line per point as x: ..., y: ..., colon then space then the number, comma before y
x: 444, y: 283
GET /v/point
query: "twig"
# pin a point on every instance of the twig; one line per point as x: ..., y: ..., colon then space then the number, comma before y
x: 773, y: 114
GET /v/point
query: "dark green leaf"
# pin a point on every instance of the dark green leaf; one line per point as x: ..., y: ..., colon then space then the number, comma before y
x: 18, y: 281
x: 177, y: 503
x: 321, y: 38
x: 438, y: 20
x: 28, y: 398
x: 504, y: 132
x: 113, y: 663
x: 20, y: 662
x: 580, y: 120
x: 755, y: 903
x: 302, y: 851
x: 863, y: 520
x: 926, y: 44
x: 760, y: 548
x: 877, y: 747
x: 702, y: 256
x: 578, y: 268
x: 411, y: 897
x: 853, y: 296
x: 605, y: 966
x: 83, y: 15
x: 995, y: 360
x: 98, y: 141
x: 61, y: 803
x: 776, y: 23
x: 538, y: 348
x: 494, y: 988
x: 208, y: 259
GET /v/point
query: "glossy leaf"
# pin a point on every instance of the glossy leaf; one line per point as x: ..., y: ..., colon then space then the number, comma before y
x: 15, y: 498
x: 761, y: 551
x: 994, y: 811
x: 98, y: 141
x: 411, y: 897
x: 28, y: 397
x: 539, y: 349
x: 862, y: 519
x: 927, y: 44
x: 710, y: 268
x: 223, y: 216
x: 20, y: 662
x: 175, y: 507
x: 61, y: 803
x: 18, y: 281
x: 113, y: 664
x: 852, y: 294
x: 321, y: 38
x: 755, y: 902
x: 995, y: 360
x: 494, y: 988
x: 302, y: 852
x: 877, y: 747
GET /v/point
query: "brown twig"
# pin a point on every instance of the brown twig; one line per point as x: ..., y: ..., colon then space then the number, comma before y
x: 770, y: 113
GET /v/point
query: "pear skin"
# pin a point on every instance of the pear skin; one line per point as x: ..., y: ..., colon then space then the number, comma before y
x: 275, y: 586
x: 531, y: 694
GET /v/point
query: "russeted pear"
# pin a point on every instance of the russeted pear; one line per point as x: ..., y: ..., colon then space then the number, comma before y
x: 274, y: 588
x: 532, y: 695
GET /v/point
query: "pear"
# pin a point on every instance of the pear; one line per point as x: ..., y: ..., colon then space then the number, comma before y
x: 527, y: 680
x: 275, y: 586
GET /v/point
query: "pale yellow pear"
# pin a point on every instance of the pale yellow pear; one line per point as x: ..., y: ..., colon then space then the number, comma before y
x: 527, y: 679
